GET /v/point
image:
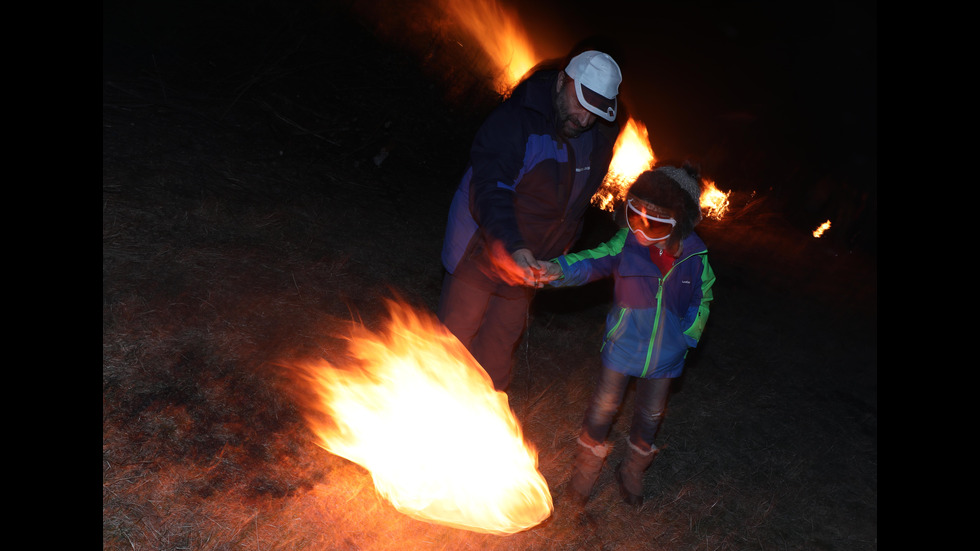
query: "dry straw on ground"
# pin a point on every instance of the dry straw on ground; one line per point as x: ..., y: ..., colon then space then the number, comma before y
x: 245, y: 225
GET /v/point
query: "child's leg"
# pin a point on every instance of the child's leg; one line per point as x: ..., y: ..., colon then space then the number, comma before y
x: 606, y: 400
x: 648, y: 412
x: 592, y: 448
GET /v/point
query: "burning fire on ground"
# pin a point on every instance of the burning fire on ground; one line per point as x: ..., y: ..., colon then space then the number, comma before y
x: 714, y: 202
x: 416, y: 410
x: 632, y: 155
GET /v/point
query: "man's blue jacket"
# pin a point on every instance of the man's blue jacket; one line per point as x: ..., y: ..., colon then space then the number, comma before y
x: 519, y: 188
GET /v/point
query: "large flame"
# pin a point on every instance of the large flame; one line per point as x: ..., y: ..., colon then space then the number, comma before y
x: 500, y: 35
x: 632, y: 155
x: 416, y: 410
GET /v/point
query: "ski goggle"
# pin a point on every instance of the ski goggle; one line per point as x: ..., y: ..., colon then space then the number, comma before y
x: 652, y: 228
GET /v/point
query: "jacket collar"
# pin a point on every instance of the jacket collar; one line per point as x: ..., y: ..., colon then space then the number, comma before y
x: 636, y: 257
x: 539, y: 93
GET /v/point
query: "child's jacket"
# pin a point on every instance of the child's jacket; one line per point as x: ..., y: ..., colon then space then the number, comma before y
x: 655, y: 317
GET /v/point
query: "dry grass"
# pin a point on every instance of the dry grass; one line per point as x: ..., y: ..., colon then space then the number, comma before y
x: 245, y: 226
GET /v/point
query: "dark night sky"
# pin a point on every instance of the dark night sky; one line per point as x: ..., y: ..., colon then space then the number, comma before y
x: 765, y: 95
x: 788, y: 86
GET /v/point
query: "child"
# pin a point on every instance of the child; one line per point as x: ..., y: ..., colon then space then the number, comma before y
x: 662, y: 293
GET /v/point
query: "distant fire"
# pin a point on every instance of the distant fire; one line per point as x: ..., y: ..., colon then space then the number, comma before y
x: 821, y: 228
x: 415, y: 409
x: 501, y: 36
x: 632, y: 155
x: 714, y: 202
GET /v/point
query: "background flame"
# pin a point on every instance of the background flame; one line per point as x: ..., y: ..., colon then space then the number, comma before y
x: 820, y: 229
x: 417, y: 411
x: 500, y: 35
x: 632, y: 155
x: 714, y: 202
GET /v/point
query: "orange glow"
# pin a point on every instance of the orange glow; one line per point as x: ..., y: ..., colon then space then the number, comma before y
x: 821, y: 228
x: 501, y: 36
x: 632, y: 155
x: 714, y: 202
x: 416, y: 410
x: 503, y: 265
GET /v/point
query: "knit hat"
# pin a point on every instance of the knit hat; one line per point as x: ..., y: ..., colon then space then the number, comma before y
x: 683, y: 179
x: 677, y: 189
x: 597, y: 78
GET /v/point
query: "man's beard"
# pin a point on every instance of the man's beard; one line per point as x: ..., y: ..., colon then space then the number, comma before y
x: 566, y: 124
x: 570, y: 128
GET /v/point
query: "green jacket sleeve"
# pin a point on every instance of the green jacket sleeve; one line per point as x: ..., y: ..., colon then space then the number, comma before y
x: 609, y: 248
x: 707, y: 295
x: 588, y: 265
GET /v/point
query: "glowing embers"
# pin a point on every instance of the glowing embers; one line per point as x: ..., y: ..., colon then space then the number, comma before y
x: 415, y: 409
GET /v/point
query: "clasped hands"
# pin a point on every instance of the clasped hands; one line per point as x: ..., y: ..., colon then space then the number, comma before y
x: 536, y: 273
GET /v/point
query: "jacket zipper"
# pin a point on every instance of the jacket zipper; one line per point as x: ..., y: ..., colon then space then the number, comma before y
x: 656, y: 317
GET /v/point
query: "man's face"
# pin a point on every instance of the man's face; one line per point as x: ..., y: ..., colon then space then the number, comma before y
x: 573, y: 119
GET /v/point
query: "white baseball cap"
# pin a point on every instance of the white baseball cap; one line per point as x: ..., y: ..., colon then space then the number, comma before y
x: 597, y: 78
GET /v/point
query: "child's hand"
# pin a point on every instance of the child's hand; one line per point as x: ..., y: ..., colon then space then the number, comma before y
x: 552, y: 272
x: 533, y: 272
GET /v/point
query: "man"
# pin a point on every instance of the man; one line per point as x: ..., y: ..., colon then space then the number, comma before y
x: 534, y: 166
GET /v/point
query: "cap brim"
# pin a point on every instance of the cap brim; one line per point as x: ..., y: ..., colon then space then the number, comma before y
x: 596, y: 103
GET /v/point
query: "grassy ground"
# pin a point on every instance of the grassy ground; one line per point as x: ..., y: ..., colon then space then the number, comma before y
x: 246, y: 223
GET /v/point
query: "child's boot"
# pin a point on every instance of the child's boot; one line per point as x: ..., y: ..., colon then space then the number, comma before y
x: 629, y: 474
x: 588, y: 465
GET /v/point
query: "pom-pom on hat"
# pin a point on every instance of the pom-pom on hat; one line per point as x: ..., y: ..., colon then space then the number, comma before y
x: 597, y: 78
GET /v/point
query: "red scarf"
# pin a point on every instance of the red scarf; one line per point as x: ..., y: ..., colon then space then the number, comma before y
x: 662, y: 259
